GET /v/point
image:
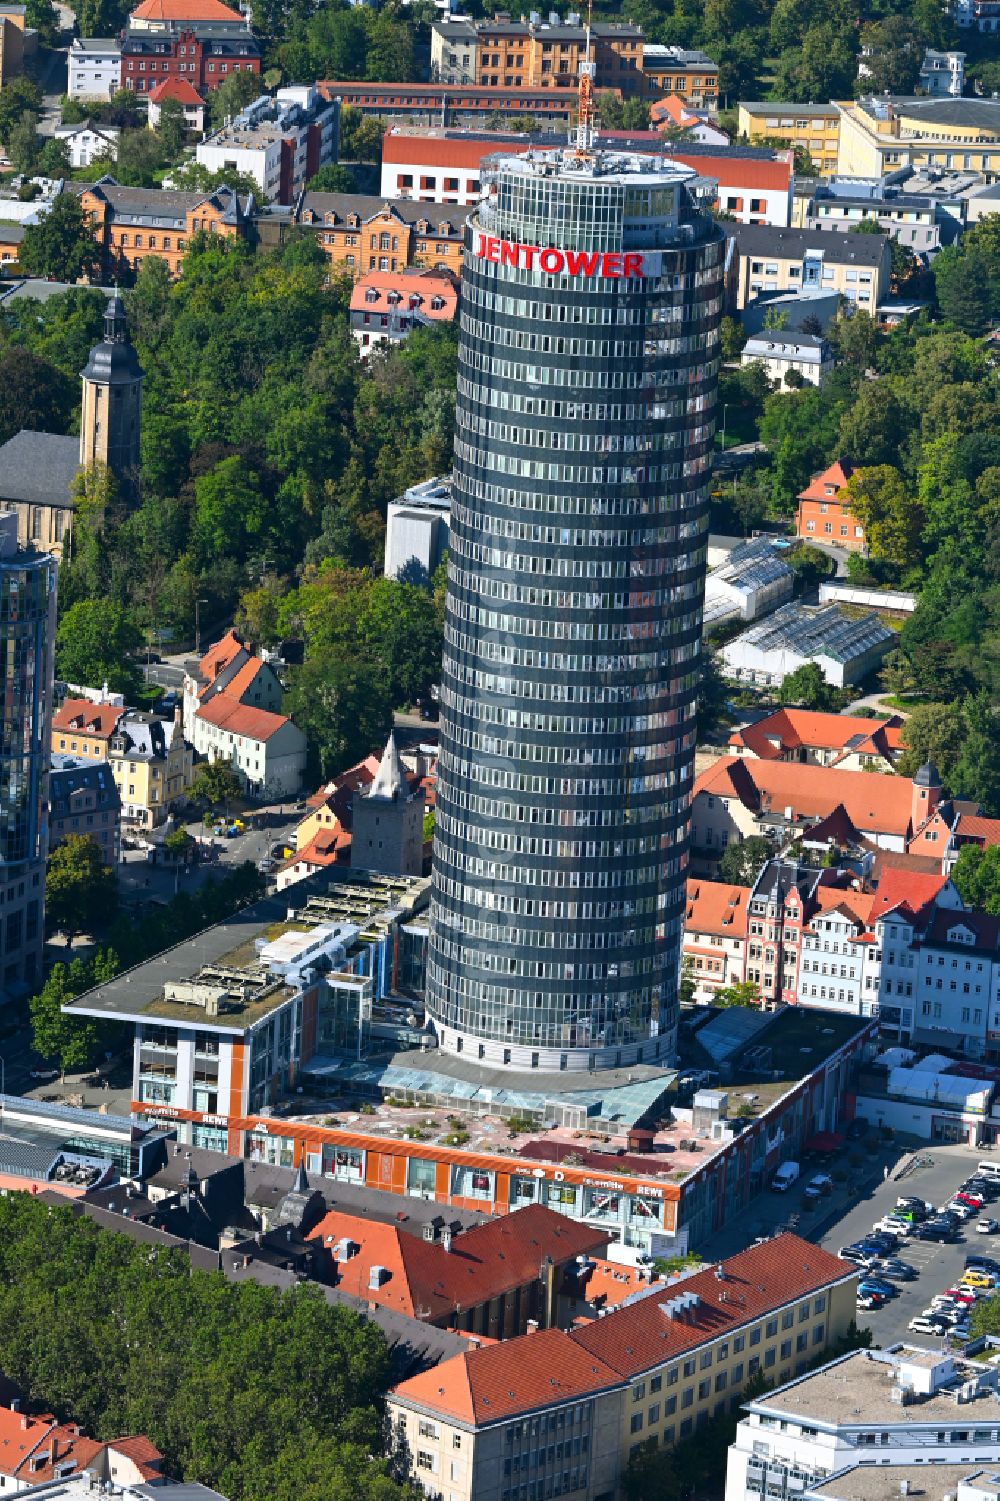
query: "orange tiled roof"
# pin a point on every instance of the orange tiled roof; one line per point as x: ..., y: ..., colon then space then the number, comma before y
x: 905, y: 889
x: 186, y: 10
x: 518, y: 1375
x: 426, y: 1281
x: 175, y: 88
x: 796, y: 729
x: 608, y: 1283
x: 857, y: 904
x: 837, y: 475
x: 86, y: 718
x: 243, y: 678
x: 241, y: 719
x: 326, y: 847
x: 142, y: 1452
x: 26, y: 1446
x: 766, y: 1277
x: 873, y: 802
x: 424, y: 285
x: 715, y: 907
x: 982, y: 830
x: 220, y: 655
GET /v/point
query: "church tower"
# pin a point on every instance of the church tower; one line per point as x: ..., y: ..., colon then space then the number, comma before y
x: 112, y: 401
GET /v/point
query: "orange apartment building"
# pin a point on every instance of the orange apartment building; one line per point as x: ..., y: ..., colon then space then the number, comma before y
x: 516, y: 54
x: 360, y: 233
x: 824, y: 511
x: 81, y: 728
x: 131, y: 224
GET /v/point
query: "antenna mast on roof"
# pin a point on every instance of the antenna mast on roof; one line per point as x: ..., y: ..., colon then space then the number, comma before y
x: 585, y: 105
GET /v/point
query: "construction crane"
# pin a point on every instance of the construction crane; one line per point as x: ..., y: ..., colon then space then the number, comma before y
x: 585, y: 106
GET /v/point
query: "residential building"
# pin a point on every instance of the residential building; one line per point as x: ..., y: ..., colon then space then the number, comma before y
x: 163, y: 17
x: 130, y: 224
x: 111, y: 414
x: 151, y: 764
x: 494, y: 1279
x: 387, y: 820
x: 388, y: 305
x: 848, y: 742
x: 965, y: 828
x: 225, y: 1023
x: 752, y: 580
x: 27, y: 636
x: 792, y: 358
x: 654, y: 1371
x: 739, y: 796
x: 942, y: 73
x: 37, y: 1451
x: 232, y: 712
x: 765, y: 259
x: 95, y: 67
x: 900, y: 1405
x: 812, y: 128
x: 539, y: 53
x: 984, y: 15
x: 88, y: 142
x: 715, y: 931
x: 521, y: 869
x: 823, y: 512
x: 185, y: 94
x: 11, y: 236
x: 681, y: 70
x: 451, y: 104
x: 780, y: 899
x: 877, y: 135
x: 914, y: 220
x: 847, y: 649
x: 12, y: 49
x: 359, y: 233
x: 957, y: 989
x: 443, y: 166
x: 37, y: 471
x: 82, y: 729
x: 84, y: 800
x: 203, y: 41
x: 671, y: 112
x: 416, y: 530
x: 279, y: 142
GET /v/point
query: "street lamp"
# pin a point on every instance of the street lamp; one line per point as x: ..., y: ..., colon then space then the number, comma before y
x: 725, y: 408
x: 197, y: 623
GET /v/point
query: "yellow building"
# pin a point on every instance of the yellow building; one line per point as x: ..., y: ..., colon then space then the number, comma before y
x: 878, y: 135
x: 652, y: 1372
x: 81, y: 728
x: 152, y: 766
x: 810, y: 127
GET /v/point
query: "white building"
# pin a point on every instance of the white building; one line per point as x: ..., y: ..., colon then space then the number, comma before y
x: 86, y: 142
x: 808, y: 355
x: 942, y: 73
x: 752, y: 580
x: 846, y: 650
x: 984, y: 15
x: 902, y: 1406
x: 267, y: 750
x: 957, y: 983
x: 279, y: 142
x: 416, y: 533
x: 95, y: 67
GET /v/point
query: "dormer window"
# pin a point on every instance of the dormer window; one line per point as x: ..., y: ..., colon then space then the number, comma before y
x: 371, y: 295
x: 437, y: 303
x: 394, y: 297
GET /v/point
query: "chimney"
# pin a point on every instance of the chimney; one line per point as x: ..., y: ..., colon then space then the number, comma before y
x: 55, y: 1449
x: 446, y: 1238
x: 15, y: 1404
x: 532, y: 1326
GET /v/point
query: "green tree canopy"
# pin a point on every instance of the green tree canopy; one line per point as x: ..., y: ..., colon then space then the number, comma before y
x: 33, y: 394
x: 80, y: 890
x: 94, y: 642
x: 977, y: 875
x: 216, y: 783
x: 807, y: 687
x: 743, y: 860
x: 60, y: 246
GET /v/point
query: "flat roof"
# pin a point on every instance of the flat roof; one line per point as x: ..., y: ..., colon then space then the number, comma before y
x: 857, y: 1392
x: 868, y: 1482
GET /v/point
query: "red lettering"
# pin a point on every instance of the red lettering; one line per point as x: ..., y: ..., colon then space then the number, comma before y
x: 508, y: 253
x: 580, y: 264
x: 481, y: 244
x: 633, y: 265
x: 530, y: 251
x: 611, y: 264
x: 551, y: 261
x: 492, y: 248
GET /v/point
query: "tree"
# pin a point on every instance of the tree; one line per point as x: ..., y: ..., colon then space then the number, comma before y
x: 41, y: 16
x: 232, y: 96
x: 60, y: 246
x: 977, y: 774
x: 178, y: 844
x: 892, y: 56
x: 809, y: 564
x: 335, y: 177
x: 68, y: 1041
x: 23, y: 143
x: 216, y: 783
x: 808, y: 687
x: 963, y: 286
x: 400, y: 627
x: 733, y: 336
x: 361, y: 136
x: 891, y: 520
x: 172, y: 128
x: 33, y: 394
x: 53, y: 159
x: 742, y: 993
x: 20, y: 95
x: 94, y: 640
x: 976, y: 874
x: 80, y: 890
x: 193, y: 177
x: 743, y: 861
x: 873, y: 427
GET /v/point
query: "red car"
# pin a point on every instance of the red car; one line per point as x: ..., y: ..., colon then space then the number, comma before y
x: 973, y: 1200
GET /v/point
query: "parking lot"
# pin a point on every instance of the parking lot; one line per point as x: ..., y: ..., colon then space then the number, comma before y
x: 938, y: 1266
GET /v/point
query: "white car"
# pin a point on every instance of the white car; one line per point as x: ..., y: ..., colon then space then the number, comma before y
x: 964, y: 1211
x: 891, y: 1226
x: 988, y: 1227
x: 923, y: 1324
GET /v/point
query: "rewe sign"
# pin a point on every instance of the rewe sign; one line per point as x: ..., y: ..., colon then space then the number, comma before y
x: 609, y: 263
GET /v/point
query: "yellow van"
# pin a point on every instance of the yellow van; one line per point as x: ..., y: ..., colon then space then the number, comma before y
x: 976, y: 1279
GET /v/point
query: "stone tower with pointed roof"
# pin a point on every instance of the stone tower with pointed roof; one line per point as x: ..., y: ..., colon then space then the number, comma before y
x: 387, y: 820
x: 112, y: 401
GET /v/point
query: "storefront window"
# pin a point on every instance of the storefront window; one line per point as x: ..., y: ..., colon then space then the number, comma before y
x: 274, y: 1149
x: 525, y: 1190
x: 472, y: 1183
x: 600, y: 1204
x: 421, y: 1178
x: 210, y: 1137
x: 562, y: 1197
x: 345, y: 1164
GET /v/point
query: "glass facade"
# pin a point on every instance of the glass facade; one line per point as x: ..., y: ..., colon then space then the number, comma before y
x: 27, y: 594
x: 576, y: 567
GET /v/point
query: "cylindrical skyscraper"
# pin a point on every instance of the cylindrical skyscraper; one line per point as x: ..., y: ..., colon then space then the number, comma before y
x: 588, y: 362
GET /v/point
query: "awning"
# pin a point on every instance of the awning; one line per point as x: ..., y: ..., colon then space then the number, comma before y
x: 824, y: 1141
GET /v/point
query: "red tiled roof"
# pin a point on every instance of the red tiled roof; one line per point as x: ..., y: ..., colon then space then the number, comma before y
x: 86, y: 718
x: 837, y: 475
x: 796, y: 729
x: 872, y: 801
x: 516, y: 1376
x: 905, y: 889
x: 175, y: 88
x: 426, y: 1281
x: 186, y: 10
x: 757, y: 1281
x: 220, y: 655
x: 327, y: 847
x: 884, y: 860
x: 26, y: 1446
x: 714, y: 907
x: 425, y: 285
x: 980, y: 830
x: 142, y: 1452
x: 243, y: 679
x: 856, y: 904
x: 608, y: 1283
x: 240, y: 719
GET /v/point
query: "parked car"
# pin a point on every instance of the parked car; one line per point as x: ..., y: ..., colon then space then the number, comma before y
x: 944, y: 1233
x: 920, y: 1207
x: 988, y: 1227
x: 856, y: 1254
x: 44, y: 1075
x: 986, y: 1263
x: 891, y: 1224
x: 974, y: 1200
x: 960, y: 1295
x: 976, y: 1278
x: 880, y: 1285
x: 895, y: 1270
x: 925, y: 1324
x: 869, y: 1301
x: 818, y: 1187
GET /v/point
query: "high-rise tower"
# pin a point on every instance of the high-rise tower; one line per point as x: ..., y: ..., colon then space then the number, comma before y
x: 112, y: 401
x: 588, y: 363
x: 27, y: 637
